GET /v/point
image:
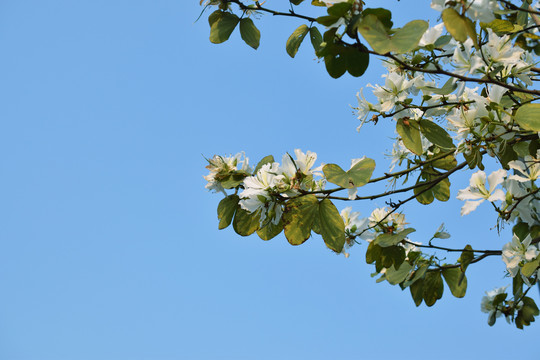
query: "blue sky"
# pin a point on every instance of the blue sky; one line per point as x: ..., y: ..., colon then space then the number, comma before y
x: 109, y: 247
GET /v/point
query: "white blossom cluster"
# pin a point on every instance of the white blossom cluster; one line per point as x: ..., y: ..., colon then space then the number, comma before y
x: 381, y: 220
x: 222, y: 166
x: 480, y: 119
x: 482, y: 113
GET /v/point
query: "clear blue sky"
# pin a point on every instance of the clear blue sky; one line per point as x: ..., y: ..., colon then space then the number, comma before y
x: 109, y: 247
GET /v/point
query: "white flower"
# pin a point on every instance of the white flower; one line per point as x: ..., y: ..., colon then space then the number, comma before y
x: 266, y: 178
x: 257, y: 194
x: 527, y: 209
x: 516, y: 253
x: 364, y: 108
x: 399, y: 154
x: 396, y: 89
x: 487, y: 305
x: 481, y: 10
x: 431, y: 35
x: 501, y: 50
x: 529, y: 168
x: 496, y: 93
x: 221, y: 166
x: 303, y: 163
x: 394, y: 221
x: 465, y: 60
x: 478, y: 191
x: 441, y: 233
x: 355, y: 225
x: 333, y: 2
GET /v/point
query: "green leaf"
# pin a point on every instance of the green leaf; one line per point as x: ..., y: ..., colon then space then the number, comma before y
x: 506, y: 154
x: 298, y: 217
x: 356, y: 61
x: 436, y: 134
x: 335, y: 64
x: 249, y: 32
x: 226, y: 209
x: 215, y: 16
x: 492, y: 318
x: 336, y: 175
x: 417, y: 291
x: 407, y: 38
x: 384, y: 16
x: 433, y: 287
x: 327, y: 20
x: 339, y: 9
x: 527, y: 313
x: 529, y: 268
x: 418, y: 274
x: 316, y: 38
x: 499, y: 26
x: 233, y: 180
x: 395, y: 277
x: 223, y: 27
x: 424, y: 194
x: 446, y: 163
x: 295, y: 40
x: 441, y: 190
x: 392, y: 255
x: 457, y: 285
x: 360, y: 173
x: 465, y: 259
x: 528, y: 117
x: 403, y: 40
x: 387, y: 239
x: 296, y: 2
x: 517, y: 286
x: 442, y: 41
x: 357, y: 176
x: 373, y: 253
x: 270, y: 231
x: 521, y: 149
x: 449, y: 86
x: 410, y: 134
x: 470, y: 28
x: 246, y: 223
x: 455, y: 24
x: 269, y: 159
x: 522, y: 17
x: 474, y: 159
x: 331, y: 225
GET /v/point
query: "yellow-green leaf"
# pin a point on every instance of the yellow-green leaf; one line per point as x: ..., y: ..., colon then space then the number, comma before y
x: 246, y: 223
x: 226, y: 209
x: 401, y: 41
x: 270, y: 231
x: 436, y: 134
x: 456, y: 281
x: 455, y: 24
x: 332, y: 226
x: 249, y: 32
x: 295, y: 40
x: 298, y: 218
x: 528, y: 117
x: 409, y: 130
x: 223, y: 27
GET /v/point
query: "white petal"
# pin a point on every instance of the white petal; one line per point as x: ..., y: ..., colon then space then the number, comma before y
x: 495, y: 178
x: 470, y: 206
x: 497, y: 195
x: 467, y: 194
